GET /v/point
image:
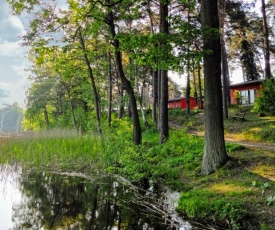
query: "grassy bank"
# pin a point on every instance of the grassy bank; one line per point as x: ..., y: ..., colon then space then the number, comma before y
x: 237, y: 196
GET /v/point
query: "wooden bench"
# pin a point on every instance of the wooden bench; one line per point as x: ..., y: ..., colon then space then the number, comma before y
x: 238, y: 116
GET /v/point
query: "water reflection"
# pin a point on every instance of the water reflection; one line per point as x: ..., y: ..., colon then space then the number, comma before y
x: 76, y: 201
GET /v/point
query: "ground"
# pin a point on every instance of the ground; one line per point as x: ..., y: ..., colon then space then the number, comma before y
x: 249, y: 175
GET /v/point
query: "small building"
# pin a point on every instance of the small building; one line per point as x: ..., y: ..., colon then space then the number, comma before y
x: 245, y: 93
x: 181, y: 102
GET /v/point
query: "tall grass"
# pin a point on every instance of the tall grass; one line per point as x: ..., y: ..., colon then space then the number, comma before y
x: 61, y: 150
x: 50, y: 150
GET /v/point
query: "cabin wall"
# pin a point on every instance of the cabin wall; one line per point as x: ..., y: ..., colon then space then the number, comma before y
x: 244, y: 94
x: 182, y: 103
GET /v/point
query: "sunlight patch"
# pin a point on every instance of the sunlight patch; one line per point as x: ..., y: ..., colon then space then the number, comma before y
x: 227, y: 188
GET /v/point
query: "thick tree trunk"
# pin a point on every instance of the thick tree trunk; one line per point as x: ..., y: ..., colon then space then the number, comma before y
x: 137, y: 139
x: 91, y: 76
x: 268, y: 74
x: 214, y: 145
x: 163, y: 96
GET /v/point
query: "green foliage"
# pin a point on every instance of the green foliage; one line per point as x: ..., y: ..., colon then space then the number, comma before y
x: 209, y: 206
x: 248, y: 61
x: 270, y: 199
x: 265, y: 102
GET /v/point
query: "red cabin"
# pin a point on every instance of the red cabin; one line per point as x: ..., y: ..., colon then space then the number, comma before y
x: 181, y: 103
x: 245, y: 92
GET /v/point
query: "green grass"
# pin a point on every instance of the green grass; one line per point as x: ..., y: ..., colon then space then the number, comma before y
x: 226, y: 196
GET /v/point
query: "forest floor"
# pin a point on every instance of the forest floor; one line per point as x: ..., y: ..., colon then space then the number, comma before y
x: 249, y: 175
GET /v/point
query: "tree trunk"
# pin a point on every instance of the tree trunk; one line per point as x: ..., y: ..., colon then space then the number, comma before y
x: 195, y: 84
x: 154, y: 72
x: 46, y: 117
x: 155, y: 97
x: 163, y: 106
x: 224, y: 80
x: 121, y: 102
x: 188, y: 86
x: 268, y: 74
x: 188, y: 90
x: 214, y: 145
x: 109, y: 119
x: 91, y: 76
x: 71, y: 106
x: 141, y: 104
x: 137, y: 139
x: 225, y: 74
x: 200, y: 88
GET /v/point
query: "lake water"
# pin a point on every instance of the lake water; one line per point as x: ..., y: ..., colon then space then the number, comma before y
x: 76, y: 201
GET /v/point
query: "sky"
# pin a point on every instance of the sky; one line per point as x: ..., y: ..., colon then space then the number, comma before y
x: 13, y: 79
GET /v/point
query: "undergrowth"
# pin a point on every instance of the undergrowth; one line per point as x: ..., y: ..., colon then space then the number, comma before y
x: 175, y: 163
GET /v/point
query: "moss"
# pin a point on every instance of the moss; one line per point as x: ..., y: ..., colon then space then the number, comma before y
x: 212, y: 207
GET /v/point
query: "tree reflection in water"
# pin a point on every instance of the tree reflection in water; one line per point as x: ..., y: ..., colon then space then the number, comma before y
x: 54, y: 201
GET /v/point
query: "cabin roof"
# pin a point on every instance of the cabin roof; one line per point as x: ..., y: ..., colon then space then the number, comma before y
x: 179, y: 98
x: 247, y: 83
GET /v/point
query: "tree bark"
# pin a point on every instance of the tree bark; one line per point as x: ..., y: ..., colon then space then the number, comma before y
x: 214, y: 145
x: 46, y: 117
x: 225, y: 73
x: 91, y: 76
x: 163, y: 96
x: 155, y: 97
x: 268, y: 74
x: 188, y: 90
x: 109, y: 119
x: 71, y: 105
x: 201, y: 104
x: 121, y: 102
x: 137, y: 139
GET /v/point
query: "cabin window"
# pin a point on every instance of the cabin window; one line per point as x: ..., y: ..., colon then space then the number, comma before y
x: 247, y: 96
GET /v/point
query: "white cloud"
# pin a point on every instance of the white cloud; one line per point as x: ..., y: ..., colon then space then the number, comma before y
x: 13, y: 79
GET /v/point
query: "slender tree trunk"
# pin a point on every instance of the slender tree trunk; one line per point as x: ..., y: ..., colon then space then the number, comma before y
x: 121, y: 102
x: 214, y: 145
x: 225, y: 81
x: 46, y: 117
x: 225, y: 74
x: 154, y: 72
x: 268, y: 74
x: 110, y: 97
x: 163, y: 107
x: 71, y: 106
x: 155, y: 97
x: 137, y: 139
x: 188, y: 86
x: 188, y: 90
x: 91, y: 76
x: 200, y: 88
x: 141, y: 104
x: 195, y: 83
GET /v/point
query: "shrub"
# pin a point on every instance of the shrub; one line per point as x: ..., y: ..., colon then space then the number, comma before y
x: 265, y: 102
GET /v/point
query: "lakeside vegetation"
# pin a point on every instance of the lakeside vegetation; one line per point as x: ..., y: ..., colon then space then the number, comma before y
x: 91, y: 58
x: 239, y: 195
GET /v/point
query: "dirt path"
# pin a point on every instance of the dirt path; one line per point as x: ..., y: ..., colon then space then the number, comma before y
x: 250, y: 144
